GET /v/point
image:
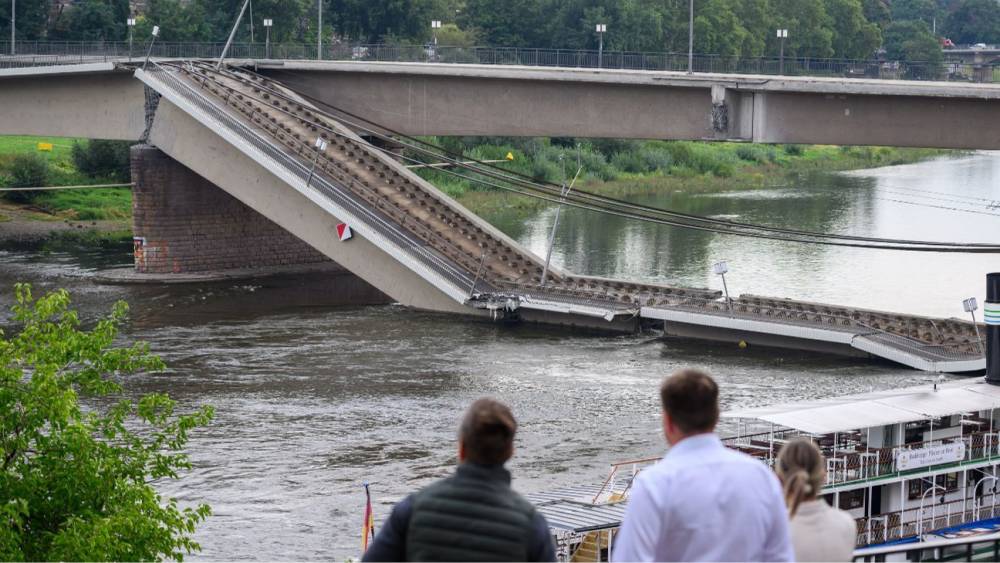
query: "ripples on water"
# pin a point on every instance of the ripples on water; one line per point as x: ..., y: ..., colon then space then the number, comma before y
x: 312, y: 399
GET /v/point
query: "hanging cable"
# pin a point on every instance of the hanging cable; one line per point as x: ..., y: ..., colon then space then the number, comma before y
x: 594, y: 202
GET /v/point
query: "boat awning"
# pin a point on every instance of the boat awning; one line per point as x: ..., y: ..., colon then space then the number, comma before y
x: 881, y: 408
x: 580, y: 517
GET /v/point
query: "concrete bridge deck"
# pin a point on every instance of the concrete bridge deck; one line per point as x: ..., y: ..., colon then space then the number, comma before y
x: 460, y: 99
x: 253, y: 137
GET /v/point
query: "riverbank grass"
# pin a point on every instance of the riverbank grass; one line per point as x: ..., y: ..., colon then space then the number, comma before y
x: 663, y: 167
x: 78, y: 204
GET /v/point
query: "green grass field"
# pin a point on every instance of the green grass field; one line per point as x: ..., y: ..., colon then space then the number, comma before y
x: 86, y: 204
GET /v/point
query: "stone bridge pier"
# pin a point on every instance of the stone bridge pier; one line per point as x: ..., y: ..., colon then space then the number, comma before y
x: 184, y: 224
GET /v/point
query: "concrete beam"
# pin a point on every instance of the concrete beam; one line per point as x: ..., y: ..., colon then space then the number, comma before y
x: 510, y: 106
x: 90, y: 101
x: 189, y: 142
x: 445, y: 99
x: 852, y: 119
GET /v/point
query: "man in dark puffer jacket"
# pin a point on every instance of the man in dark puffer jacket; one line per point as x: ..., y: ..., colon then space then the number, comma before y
x: 473, y: 515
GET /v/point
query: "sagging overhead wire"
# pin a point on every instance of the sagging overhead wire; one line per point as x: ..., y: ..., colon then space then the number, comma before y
x: 524, y: 185
x: 484, y: 168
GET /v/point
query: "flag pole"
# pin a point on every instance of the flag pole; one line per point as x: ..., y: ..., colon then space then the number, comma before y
x: 368, y: 528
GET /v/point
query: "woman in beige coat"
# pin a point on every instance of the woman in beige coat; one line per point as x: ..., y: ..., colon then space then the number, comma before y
x: 819, y: 531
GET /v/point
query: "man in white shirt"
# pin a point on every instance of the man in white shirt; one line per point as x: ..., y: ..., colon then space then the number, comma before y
x: 702, y: 501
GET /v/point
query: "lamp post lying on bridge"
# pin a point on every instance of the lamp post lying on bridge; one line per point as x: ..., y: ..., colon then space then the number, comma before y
x: 970, y: 305
x: 320, y: 145
x: 156, y: 32
x: 721, y: 268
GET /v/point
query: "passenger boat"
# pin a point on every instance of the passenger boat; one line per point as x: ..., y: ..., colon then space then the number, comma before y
x: 910, y: 465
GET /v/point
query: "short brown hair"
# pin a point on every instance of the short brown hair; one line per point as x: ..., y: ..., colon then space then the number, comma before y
x: 487, y: 432
x: 691, y: 398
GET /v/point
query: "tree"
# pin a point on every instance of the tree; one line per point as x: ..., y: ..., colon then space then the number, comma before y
x: 32, y: 20
x: 853, y: 36
x: 366, y: 21
x: 809, y: 30
x: 91, y: 20
x: 103, y: 159
x: 877, y: 12
x: 178, y: 21
x: 512, y: 23
x: 718, y: 31
x: 975, y: 21
x: 75, y: 482
x: 27, y: 171
x: 912, y: 42
x: 920, y: 10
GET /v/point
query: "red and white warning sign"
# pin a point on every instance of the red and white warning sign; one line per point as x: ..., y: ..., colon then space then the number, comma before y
x: 344, y: 232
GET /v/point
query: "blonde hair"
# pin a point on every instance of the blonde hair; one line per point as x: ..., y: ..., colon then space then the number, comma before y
x: 800, y: 468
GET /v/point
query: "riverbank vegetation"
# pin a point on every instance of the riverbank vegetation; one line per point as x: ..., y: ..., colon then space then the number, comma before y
x: 609, y: 166
x: 76, y: 480
x: 622, y: 167
x: 845, y: 29
x: 42, y: 161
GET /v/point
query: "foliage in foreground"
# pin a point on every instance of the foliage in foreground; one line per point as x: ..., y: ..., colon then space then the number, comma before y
x: 76, y: 482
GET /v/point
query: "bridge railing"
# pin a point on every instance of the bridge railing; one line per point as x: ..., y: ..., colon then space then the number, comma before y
x: 35, y: 53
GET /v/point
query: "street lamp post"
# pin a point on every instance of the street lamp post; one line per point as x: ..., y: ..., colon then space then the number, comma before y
x: 319, y: 30
x: 156, y: 32
x: 721, y: 268
x: 268, y: 22
x: 130, y: 22
x: 601, y: 29
x: 970, y: 305
x: 13, y: 20
x: 782, y: 34
x: 435, y: 24
x: 691, y: 37
x: 320, y: 145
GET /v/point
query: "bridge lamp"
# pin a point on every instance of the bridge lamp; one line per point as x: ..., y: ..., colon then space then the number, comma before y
x: 130, y: 22
x: 435, y: 25
x: 971, y: 305
x: 156, y: 33
x: 782, y: 34
x: 721, y: 268
x: 601, y: 29
x: 268, y: 22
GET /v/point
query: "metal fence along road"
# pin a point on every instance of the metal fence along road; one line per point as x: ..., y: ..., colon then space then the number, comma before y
x: 38, y: 53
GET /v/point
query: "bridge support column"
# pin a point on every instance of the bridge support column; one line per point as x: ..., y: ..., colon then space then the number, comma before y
x: 182, y: 223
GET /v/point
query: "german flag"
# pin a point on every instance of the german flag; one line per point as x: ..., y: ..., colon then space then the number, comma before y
x: 368, y: 529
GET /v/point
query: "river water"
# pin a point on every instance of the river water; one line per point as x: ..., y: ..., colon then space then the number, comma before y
x: 313, y: 398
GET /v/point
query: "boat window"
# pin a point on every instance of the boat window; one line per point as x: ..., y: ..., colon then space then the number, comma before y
x: 852, y: 499
x: 917, y: 487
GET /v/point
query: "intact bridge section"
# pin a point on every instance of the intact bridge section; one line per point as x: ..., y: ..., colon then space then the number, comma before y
x: 257, y: 140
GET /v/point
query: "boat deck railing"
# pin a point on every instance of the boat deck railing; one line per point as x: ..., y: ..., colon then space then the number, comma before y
x: 983, y: 547
x: 914, y: 522
x: 851, y: 461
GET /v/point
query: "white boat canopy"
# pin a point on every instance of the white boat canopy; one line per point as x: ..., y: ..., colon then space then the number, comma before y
x: 881, y: 408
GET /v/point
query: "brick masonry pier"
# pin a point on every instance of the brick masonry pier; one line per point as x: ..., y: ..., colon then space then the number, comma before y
x: 181, y: 223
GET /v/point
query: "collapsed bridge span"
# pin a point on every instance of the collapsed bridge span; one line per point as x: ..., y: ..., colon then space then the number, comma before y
x: 310, y: 173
